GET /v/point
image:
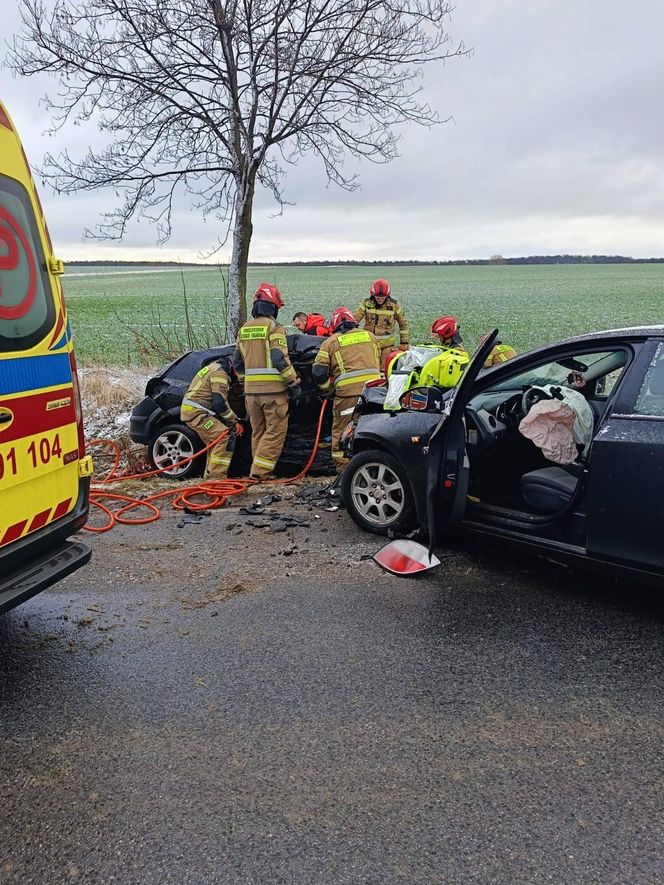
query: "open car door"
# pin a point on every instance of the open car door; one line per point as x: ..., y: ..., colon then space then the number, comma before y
x: 447, y: 461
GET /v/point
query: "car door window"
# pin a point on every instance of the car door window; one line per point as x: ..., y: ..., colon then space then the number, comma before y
x: 577, y: 371
x: 650, y: 400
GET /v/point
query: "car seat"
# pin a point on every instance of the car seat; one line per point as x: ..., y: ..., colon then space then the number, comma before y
x: 549, y: 489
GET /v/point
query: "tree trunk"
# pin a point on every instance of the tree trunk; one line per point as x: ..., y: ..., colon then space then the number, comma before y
x: 242, y: 231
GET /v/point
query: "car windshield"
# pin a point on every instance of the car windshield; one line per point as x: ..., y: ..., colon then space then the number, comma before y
x: 551, y: 373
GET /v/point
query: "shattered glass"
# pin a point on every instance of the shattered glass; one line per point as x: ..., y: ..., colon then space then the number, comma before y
x: 650, y: 400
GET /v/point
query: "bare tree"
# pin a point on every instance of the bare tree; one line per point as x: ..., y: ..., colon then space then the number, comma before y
x: 201, y: 100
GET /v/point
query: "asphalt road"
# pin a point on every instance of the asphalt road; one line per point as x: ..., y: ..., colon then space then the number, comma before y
x: 196, y: 707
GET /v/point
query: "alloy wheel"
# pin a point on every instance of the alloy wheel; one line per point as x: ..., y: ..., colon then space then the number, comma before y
x: 377, y: 493
x: 169, y: 448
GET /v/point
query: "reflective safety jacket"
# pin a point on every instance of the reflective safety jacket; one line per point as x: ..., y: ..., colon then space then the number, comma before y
x: 209, y: 388
x: 500, y: 354
x: 261, y: 357
x: 381, y: 320
x: 346, y: 361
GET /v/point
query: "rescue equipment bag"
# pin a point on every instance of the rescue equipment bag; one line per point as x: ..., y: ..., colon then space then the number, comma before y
x: 424, y: 365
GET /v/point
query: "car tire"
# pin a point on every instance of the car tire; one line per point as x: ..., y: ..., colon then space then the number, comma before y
x: 172, y: 443
x: 377, y: 493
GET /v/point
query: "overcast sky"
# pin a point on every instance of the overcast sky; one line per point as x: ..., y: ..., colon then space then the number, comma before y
x: 556, y: 144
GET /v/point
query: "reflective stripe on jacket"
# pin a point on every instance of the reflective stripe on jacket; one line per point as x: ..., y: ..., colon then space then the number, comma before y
x: 500, y: 354
x: 381, y: 321
x: 207, y: 382
x: 351, y: 359
x: 261, y: 343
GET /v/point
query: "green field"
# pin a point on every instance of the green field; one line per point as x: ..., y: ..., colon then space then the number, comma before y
x: 530, y: 304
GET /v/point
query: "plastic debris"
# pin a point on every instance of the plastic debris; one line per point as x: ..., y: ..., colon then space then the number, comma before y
x: 405, y: 558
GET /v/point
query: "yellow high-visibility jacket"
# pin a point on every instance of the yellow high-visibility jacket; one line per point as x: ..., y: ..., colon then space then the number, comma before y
x: 349, y: 360
x: 261, y: 357
x: 382, y: 321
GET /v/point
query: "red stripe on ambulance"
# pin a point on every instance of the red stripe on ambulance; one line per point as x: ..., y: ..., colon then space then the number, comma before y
x: 14, y: 532
x: 38, y: 412
x: 61, y: 509
x: 39, y: 520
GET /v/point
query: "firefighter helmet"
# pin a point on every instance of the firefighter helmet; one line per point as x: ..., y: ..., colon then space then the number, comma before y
x: 445, y: 327
x: 341, y: 315
x: 268, y: 292
x: 379, y: 289
x: 390, y: 361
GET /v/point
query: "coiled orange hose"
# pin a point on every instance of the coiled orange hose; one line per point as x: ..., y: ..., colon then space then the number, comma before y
x: 214, y: 493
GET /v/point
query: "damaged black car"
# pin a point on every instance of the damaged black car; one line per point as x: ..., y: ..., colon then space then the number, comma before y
x: 155, y: 421
x: 501, y: 457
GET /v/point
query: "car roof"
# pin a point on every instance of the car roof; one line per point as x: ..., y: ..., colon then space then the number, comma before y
x: 627, y: 333
x: 624, y: 332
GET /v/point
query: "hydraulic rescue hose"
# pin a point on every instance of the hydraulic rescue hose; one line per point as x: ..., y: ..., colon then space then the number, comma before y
x: 214, y: 493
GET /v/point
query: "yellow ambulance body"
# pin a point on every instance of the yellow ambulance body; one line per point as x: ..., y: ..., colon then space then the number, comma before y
x: 44, y: 471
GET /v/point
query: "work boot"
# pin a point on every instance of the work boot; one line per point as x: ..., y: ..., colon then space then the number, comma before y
x: 265, y: 477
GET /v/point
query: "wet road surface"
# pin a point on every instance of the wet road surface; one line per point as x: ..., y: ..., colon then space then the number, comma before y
x: 196, y: 707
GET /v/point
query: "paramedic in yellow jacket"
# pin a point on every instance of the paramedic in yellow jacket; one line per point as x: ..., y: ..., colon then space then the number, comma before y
x: 345, y: 362
x: 261, y: 361
x: 381, y: 314
x: 206, y: 410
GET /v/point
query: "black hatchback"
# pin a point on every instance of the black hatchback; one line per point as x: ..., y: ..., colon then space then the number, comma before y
x: 459, y: 461
x: 155, y: 421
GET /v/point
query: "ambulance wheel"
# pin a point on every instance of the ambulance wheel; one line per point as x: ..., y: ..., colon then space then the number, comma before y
x: 377, y: 493
x: 173, y: 443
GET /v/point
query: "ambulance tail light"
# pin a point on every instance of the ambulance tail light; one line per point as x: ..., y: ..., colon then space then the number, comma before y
x: 77, y: 405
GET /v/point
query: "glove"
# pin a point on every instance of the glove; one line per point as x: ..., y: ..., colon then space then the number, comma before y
x: 403, y: 347
x: 230, y: 421
x: 294, y: 391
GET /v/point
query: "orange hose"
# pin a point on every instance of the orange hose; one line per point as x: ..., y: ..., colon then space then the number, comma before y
x: 214, y: 493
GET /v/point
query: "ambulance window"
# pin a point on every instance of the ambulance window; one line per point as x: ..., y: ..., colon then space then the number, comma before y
x: 27, y: 310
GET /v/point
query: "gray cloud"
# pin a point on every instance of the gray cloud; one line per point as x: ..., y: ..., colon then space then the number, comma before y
x: 555, y: 145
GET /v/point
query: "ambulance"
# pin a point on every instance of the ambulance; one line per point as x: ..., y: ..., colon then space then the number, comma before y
x: 44, y: 471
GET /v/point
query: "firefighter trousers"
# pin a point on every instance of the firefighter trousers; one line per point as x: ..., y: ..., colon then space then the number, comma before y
x: 268, y: 415
x: 385, y: 351
x: 218, y: 457
x: 339, y: 424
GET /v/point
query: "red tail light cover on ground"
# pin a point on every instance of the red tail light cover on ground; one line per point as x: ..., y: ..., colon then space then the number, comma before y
x: 405, y: 558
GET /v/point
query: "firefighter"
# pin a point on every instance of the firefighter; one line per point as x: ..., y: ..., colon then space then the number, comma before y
x: 311, y: 324
x: 499, y: 354
x: 345, y: 362
x: 206, y: 410
x: 261, y: 361
x: 447, y: 330
x: 380, y: 313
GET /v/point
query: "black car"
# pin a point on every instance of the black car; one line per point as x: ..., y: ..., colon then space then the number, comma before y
x: 155, y: 421
x: 458, y: 461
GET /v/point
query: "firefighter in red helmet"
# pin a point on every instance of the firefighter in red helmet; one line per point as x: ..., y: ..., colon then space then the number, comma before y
x: 345, y: 362
x: 447, y: 331
x: 262, y: 363
x: 381, y: 314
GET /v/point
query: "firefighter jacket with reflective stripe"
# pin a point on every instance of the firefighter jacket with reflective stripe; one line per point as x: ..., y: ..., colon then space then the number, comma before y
x: 261, y: 357
x: 350, y: 360
x: 500, y: 354
x: 208, y: 389
x: 382, y: 319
